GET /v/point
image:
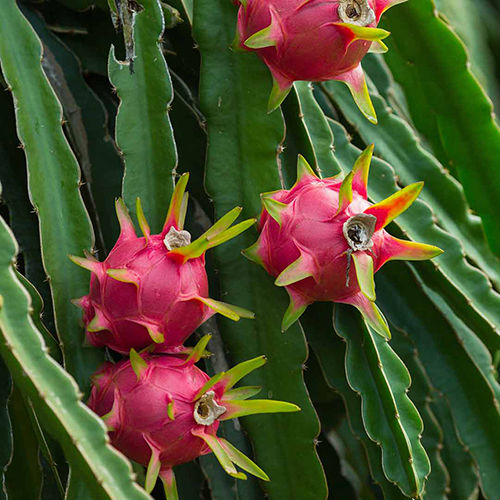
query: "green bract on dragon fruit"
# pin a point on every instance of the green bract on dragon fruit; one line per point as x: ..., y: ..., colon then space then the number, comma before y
x: 314, y: 40
x: 324, y: 241
x: 163, y: 411
x: 154, y: 288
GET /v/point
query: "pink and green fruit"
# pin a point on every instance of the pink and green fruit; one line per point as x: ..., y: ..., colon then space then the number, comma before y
x: 154, y: 288
x: 323, y: 240
x: 162, y: 411
x: 314, y: 40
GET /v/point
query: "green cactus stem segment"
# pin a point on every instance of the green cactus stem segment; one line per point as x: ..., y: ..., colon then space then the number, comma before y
x: 207, y: 410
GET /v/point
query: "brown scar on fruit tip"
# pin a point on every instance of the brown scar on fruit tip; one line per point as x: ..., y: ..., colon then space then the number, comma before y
x: 356, y: 12
x: 207, y: 410
x: 176, y: 239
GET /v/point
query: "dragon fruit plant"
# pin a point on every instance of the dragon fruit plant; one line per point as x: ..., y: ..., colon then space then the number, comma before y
x: 163, y: 411
x: 314, y: 40
x: 311, y: 233
x: 105, y: 102
x: 154, y: 289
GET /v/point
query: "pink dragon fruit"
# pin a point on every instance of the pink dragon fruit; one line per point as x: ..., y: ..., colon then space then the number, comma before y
x: 314, y: 40
x: 154, y: 289
x: 310, y: 234
x: 162, y: 411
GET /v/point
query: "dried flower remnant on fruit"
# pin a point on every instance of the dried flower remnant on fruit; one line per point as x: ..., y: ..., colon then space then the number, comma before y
x: 310, y: 233
x: 177, y: 239
x: 356, y: 11
x: 206, y: 410
x: 358, y: 231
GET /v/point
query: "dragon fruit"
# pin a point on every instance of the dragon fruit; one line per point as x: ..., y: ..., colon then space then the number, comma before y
x: 162, y: 411
x: 314, y: 40
x: 311, y: 234
x: 154, y: 288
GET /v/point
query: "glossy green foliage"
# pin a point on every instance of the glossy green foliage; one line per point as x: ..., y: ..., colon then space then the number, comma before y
x: 460, y: 128
x: 143, y: 130
x: 422, y: 393
x: 451, y: 367
x: 53, y: 181
x: 52, y: 390
x: 118, y: 102
x: 469, y: 20
x: 85, y: 126
x: 390, y: 418
x: 239, y: 127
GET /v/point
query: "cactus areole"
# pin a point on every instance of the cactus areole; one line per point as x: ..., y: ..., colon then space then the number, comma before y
x: 324, y: 241
x: 162, y: 411
x: 154, y: 289
x: 314, y: 40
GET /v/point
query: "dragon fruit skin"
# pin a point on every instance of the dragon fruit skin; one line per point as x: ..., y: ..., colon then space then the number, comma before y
x: 162, y: 411
x: 324, y: 241
x: 314, y: 40
x: 140, y: 408
x: 154, y: 288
